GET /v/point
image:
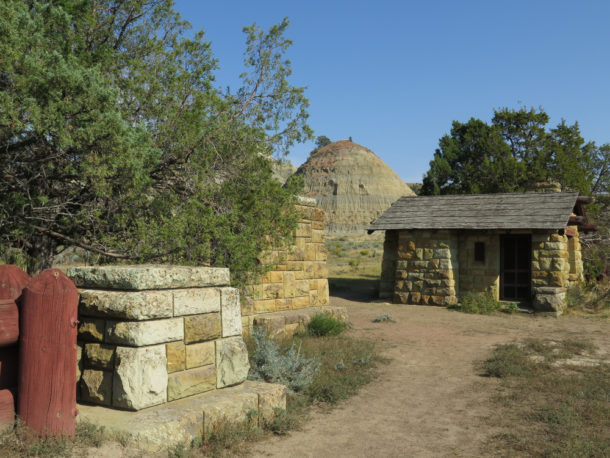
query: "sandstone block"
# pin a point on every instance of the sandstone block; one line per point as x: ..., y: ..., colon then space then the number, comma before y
x: 176, y: 356
x: 96, y: 387
x: 272, y: 324
x: 271, y: 396
x: 91, y: 330
x: 231, y: 312
x: 99, y: 356
x: 300, y: 302
x: 555, y: 245
x: 247, y: 305
x: 319, y: 226
x: 196, y: 301
x: 140, y: 377
x: 317, y: 233
x: 401, y: 298
x: 200, y: 354
x: 273, y: 291
x: 303, y: 230
x: 549, y: 302
x: 142, y: 333
x: 220, y: 410
x: 231, y: 361
x: 415, y: 298
x: 264, y: 306
x: 442, y: 253
x: 191, y: 382
x: 198, y: 328
x: 557, y: 238
x: 144, y: 277
x: 134, y: 305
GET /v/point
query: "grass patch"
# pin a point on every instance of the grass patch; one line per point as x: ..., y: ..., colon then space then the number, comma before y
x: 590, y: 299
x: 344, y: 365
x: 325, y: 324
x: 15, y: 442
x: 550, y: 408
x: 483, y: 304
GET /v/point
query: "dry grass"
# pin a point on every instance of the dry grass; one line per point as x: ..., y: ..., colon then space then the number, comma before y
x: 549, y: 404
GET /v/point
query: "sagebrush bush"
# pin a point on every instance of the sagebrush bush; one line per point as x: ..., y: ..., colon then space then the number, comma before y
x: 291, y: 368
x: 384, y: 317
x: 325, y: 324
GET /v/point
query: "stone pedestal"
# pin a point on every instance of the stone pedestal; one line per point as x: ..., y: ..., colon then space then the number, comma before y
x: 153, y: 334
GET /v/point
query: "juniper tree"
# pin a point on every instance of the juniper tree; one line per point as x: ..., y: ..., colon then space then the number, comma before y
x: 114, y: 137
x: 510, y: 154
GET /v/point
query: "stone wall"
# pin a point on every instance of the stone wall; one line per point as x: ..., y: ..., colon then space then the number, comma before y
x: 298, y: 275
x: 427, y: 267
x: 153, y: 334
x: 476, y: 276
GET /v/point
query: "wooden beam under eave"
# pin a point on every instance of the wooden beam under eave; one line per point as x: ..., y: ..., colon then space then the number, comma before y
x: 576, y: 220
x: 584, y: 199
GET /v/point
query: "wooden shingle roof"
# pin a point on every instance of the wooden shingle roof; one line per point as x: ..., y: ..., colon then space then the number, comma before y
x: 479, y: 211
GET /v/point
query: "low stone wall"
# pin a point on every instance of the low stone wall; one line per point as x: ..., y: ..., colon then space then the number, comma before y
x: 298, y: 275
x: 153, y: 334
x: 426, y: 268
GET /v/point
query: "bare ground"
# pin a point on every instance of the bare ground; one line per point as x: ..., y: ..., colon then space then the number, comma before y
x: 430, y: 399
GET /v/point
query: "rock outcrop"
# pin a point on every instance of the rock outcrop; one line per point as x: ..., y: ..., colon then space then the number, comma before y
x: 351, y: 184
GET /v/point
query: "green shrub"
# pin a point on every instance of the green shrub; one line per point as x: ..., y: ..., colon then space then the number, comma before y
x: 481, y: 303
x: 325, y: 324
x: 364, y: 252
x: 289, y: 367
x: 591, y: 298
x: 508, y: 360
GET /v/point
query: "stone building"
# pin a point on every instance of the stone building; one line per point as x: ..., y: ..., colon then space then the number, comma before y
x: 517, y: 247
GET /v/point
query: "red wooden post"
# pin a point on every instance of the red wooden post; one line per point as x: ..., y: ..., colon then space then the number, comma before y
x: 12, y: 282
x: 47, y: 356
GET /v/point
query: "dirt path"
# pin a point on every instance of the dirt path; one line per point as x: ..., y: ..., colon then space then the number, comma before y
x: 429, y: 400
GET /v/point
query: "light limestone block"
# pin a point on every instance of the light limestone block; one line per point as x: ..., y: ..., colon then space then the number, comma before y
x: 129, y: 305
x: 196, y: 301
x: 221, y: 409
x: 140, y: 377
x: 142, y: 333
x: 231, y: 312
x: 193, y: 381
x: 144, y: 277
x: 231, y: 361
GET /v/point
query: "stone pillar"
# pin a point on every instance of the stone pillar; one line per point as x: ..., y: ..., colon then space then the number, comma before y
x: 427, y: 270
x: 297, y: 276
x: 575, y: 258
x: 153, y: 334
x: 550, y: 271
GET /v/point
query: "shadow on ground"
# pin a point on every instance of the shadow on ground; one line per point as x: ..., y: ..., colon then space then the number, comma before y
x: 354, y: 289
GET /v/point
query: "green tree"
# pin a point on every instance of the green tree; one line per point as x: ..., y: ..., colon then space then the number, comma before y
x: 322, y: 141
x: 114, y: 137
x: 511, y: 154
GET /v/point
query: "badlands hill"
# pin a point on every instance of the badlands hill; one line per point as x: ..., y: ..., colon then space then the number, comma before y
x: 351, y: 184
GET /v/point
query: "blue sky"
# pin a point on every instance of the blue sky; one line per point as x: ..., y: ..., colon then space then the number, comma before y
x: 393, y: 75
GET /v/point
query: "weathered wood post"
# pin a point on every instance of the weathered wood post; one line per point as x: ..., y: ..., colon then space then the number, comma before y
x: 12, y: 282
x: 47, y: 356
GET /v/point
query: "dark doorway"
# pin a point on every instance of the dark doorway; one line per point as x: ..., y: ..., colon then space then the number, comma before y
x: 515, y: 267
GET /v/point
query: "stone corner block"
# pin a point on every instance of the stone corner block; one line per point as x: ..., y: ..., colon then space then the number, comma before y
x: 140, y: 377
x: 231, y: 312
x: 143, y: 277
x: 271, y: 396
x: 231, y: 361
x: 143, y: 333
